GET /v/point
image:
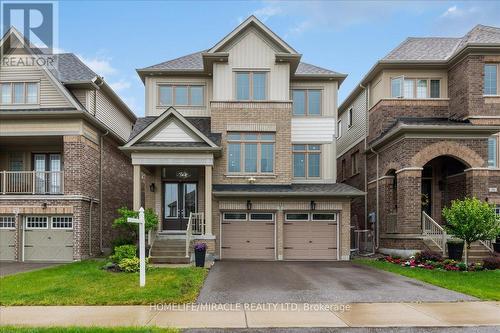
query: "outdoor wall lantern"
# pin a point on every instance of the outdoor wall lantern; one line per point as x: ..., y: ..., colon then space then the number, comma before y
x: 313, y: 205
x: 152, y: 187
x: 249, y: 204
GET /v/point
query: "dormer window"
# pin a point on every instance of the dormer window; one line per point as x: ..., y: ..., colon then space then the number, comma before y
x: 13, y: 93
x: 251, y: 86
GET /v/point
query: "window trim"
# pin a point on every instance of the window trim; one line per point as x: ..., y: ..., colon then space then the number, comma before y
x: 36, y: 228
x: 239, y: 220
x: 306, y: 101
x: 325, y: 212
x: 25, y: 90
x: 2, y: 222
x: 174, y: 86
x: 495, y: 138
x: 250, y: 73
x: 61, y: 228
x: 260, y: 220
x: 307, y: 152
x: 415, y: 80
x: 498, y: 79
x: 259, y: 142
x: 297, y: 212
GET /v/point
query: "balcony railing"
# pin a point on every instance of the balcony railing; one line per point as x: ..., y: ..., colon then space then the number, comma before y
x: 31, y: 182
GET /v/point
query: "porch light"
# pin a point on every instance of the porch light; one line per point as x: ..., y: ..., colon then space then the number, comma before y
x: 152, y: 187
x: 249, y: 205
x: 313, y: 205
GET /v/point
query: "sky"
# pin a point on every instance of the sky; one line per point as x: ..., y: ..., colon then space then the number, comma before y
x: 116, y: 37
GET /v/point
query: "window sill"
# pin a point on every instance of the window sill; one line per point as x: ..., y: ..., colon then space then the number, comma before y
x: 250, y: 175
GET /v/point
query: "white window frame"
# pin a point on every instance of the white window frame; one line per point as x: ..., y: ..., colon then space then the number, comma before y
x: 25, y: 89
x: 7, y: 219
x: 36, y: 216
x: 61, y: 216
x: 260, y: 220
x: 415, y: 81
x: 239, y: 220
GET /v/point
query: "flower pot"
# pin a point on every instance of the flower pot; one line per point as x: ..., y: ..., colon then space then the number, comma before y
x: 455, y: 250
x: 199, y: 258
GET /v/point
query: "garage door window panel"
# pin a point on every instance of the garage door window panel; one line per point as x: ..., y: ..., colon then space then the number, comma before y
x: 7, y: 222
x: 261, y: 217
x: 324, y: 216
x: 297, y: 217
x: 235, y: 216
x: 62, y: 222
x: 37, y: 222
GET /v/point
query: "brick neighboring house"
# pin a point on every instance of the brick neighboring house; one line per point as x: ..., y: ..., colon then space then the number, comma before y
x: 62, y: 174
x: 240, y: 138
x: 422, y: 129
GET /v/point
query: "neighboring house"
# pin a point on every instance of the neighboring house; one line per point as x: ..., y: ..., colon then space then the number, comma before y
x: 432, y: 106
x: 62, y: 175
x: 243, y: 136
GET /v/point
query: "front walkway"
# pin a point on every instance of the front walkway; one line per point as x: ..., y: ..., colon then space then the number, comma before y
x: 263, y: 315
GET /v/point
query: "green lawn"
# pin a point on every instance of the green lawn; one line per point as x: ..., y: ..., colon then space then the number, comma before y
x: 483, y: 285
x: 84, y: 283
x: 12, y: 329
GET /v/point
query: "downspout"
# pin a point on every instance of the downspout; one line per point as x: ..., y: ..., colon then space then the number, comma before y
x: 90, y: 227
x: 101, y: 202
x: 377, y: 204
x: 365, y: 148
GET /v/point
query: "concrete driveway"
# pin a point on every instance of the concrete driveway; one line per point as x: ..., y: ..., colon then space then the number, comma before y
x: 9, y: 268
x: 314, y: 282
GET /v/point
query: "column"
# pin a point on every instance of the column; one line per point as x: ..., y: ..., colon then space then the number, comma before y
x: 208, y: 200
x: 409, y: 201
x: 476, y: 183
x: 137, y: 187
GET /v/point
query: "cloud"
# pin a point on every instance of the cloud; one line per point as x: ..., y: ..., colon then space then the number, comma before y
x: 270, y: 10
x: 120, y: 85
x: 458, y: 19
x: 99, y: 64
x: 452, y: 11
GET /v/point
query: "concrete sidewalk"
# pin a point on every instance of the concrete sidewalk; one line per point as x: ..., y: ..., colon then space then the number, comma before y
x: 260, y: 316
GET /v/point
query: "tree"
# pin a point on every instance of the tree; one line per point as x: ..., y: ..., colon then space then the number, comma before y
x: 471, y: 220
x: 151, y: 220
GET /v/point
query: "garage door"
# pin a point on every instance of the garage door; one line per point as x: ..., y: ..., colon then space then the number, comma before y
x: 7, y: 237
x: 310, y: 236
x: 248, y: 236
x: 48, y: 238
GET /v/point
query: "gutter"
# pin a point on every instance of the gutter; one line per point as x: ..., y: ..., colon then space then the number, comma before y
x: 287, y: 194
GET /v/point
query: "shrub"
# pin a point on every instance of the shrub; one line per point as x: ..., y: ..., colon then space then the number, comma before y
x: 427, y: 255
x: 129, y: 265
x: 151, y: 220
x: 123, y: 252
x: 462, y: 266
x: 449, y: 262
x: 119, y: 241
x: 491, y: 263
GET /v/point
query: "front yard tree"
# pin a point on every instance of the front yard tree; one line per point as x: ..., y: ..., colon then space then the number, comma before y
x: 151, y: 220
x: 471, y: 220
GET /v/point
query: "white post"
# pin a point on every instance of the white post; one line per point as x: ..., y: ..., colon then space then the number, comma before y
x: 142, y: 250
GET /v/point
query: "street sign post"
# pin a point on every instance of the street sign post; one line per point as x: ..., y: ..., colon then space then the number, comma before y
x: 142, y: 246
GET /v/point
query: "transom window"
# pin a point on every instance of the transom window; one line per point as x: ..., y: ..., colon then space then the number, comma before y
x: 37, y: 222
x: 19, y: 93
x: 7, y: 222
x: 491, y: 79
x: 250, y: 152
x: 251, y: 86
x: 402, y: 87
x: 306, y: 161
x: 306, y: 102
x: 311, y: 216
x: 181, y: 95
x: 62, y: 222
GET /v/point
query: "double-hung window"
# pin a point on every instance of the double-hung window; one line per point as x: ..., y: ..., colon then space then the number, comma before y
x: 306, y: 161
x: 492, y: 152
x: 250, y: 152
x: 251, y: 86
x: 181, y: 95
x: 19, y: 93
x: 420, y: 88
x: 306, y: 102
x: 491, y: 79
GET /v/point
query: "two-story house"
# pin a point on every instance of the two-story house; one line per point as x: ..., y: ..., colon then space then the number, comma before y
x: 238, y: 149
x: 62, y: 174
x: 421, y: 129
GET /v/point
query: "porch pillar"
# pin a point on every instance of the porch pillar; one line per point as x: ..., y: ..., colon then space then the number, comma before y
x: 476, y: 183
x: 208, y: 200
x: 137, y: 187
x: 409, y: 201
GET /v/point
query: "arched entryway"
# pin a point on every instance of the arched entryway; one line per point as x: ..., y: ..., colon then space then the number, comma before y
x: 443, y: 180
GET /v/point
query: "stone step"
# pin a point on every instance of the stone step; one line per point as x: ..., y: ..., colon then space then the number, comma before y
x: 169, y: 260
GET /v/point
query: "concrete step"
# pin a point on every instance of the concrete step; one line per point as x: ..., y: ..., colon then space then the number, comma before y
x: 169, y: 260
x: 168, y: 252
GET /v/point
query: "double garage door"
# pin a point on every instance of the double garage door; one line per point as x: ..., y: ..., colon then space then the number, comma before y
x: 45, y: 238
x: 306, y: 236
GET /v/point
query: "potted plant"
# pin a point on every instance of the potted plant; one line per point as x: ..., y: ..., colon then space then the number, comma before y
x: 455, y: 249
x: 200, y: 249
x: 471, y: 220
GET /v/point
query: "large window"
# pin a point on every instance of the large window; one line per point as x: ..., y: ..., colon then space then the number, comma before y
x: 180, y: 95
x: 306, y: 161
x: 490, y: 79
x: 250, y: 152
x: 251, y: 86
x: 306, y: 102
x: 492, y: 152
x: 402, y: 87
x: 19, y: 93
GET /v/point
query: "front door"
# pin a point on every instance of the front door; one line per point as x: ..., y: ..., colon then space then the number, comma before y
x: 179, y: 200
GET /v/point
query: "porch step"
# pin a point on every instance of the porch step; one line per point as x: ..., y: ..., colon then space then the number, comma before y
x: 168, y: 252
x: 169, y: 260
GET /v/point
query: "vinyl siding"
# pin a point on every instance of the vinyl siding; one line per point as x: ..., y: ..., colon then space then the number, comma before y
x: 313, y: 129
x: 356, y: 132
x: 111, y: 115
x: 81, y: 96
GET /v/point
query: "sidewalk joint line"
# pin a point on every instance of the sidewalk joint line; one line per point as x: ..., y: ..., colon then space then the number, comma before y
x: 342, y: 320
x: 246, y: 320
x: 152, y: 317
x: 426, y: 314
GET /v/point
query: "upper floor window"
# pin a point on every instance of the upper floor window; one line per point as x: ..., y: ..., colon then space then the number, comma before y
x: 306, y: 161
x: 251, y: 86
x: 492, y: 152
x: 490, y: 79
x: 402, y: 87
x: 19, y: 93
x: 181, y: 95
x: 339, y: 129
x: 349, y: 118
x: 250, y: 152
x: 306, y: 102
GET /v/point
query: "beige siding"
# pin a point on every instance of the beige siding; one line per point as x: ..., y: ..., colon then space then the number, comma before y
x: 313, y: 129
x: 111, y: 115
x: 329, y: 94
x: 37, y: 127
x: 49, y: 95
x: 328, y: 167
x: 351, y: 136
x: 81, y: 96
x: 152, y: 101
x: 173, y: 131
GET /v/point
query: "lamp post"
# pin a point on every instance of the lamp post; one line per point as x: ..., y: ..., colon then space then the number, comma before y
x: 142, y: 245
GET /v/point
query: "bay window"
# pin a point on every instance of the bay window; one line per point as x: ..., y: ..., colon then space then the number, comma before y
x: 251, y: 86
x: 306, y: 161
x: 19, y: 93
x: 250, y: 152
x: 420, y: 88
x: 306, y: 102
x: 180, y: 95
